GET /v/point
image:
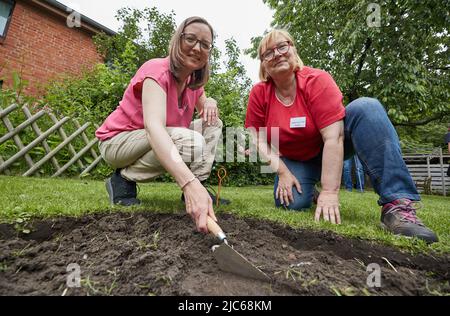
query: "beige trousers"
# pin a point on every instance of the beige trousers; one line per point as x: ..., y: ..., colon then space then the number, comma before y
x: 131, y: 151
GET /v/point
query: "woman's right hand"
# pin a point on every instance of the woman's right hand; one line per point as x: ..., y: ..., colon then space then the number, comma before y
x: 286, y: 182
x: 199, y: 205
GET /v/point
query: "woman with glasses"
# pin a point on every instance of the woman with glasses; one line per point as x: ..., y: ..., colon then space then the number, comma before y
x: 152, y: 130
x: 296, y: 113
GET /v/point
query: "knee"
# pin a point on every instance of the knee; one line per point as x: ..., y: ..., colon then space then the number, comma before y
x: 198, y: 144
x: 364, y: 105
x: 300, y: 204
x: 189, y: 143
x: 213, y: 133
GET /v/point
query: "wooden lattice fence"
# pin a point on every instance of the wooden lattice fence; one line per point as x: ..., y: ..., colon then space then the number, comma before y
x: 50, y: 155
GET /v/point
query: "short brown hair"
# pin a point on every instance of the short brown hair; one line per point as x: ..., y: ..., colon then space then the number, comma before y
x: 263, y: 76
x: 199, y: 77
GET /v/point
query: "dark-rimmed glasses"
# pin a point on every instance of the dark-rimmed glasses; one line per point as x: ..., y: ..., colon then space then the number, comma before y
x: 191, y: 40
x: 281, y: 48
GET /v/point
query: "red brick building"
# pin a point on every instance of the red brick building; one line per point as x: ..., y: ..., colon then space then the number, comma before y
x: 43, y: 39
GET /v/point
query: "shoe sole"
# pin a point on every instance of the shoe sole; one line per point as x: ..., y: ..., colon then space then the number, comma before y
x: 109, y: 190
x: 384, y: 227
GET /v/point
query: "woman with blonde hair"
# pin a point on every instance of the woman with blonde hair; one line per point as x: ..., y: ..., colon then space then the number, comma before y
x: 152, y: 131
x: 303, y: 108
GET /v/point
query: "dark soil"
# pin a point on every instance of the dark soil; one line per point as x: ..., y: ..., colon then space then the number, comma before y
x: 162, y: 254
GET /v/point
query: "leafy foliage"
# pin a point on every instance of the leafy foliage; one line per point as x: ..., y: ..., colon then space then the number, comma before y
x: 150, y: 42
x: 96, y: 93
x: 423, y: 137
x: 404, y: 62
x: 9, y: 96
x: 15, y: 95
x: 231, y: 88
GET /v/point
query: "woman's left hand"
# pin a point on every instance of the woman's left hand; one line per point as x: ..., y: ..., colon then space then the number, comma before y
x: 328, y: 206
x: 210, y: 111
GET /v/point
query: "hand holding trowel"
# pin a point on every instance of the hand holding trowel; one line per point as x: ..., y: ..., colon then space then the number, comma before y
x: 229, y: 259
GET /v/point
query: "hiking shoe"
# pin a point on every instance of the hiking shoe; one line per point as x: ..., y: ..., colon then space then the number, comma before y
x: 121, y: 191
x: 212, y: 195
x: 399, y: 217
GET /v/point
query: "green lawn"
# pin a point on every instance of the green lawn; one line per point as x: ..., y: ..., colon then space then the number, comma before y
x: 23, y: 198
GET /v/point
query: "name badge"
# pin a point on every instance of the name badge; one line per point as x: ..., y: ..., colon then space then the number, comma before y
x: 298, y: 122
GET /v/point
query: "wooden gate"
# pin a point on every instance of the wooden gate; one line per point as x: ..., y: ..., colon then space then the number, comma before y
x: 429, y: 170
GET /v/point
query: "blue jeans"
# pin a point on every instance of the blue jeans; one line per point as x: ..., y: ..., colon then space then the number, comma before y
x: 370, y: 134
x: 359, y: 172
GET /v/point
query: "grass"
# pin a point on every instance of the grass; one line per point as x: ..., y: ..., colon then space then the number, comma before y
x: 23, y: 198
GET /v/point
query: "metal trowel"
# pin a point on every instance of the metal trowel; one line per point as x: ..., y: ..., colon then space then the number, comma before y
x: 230, y: 260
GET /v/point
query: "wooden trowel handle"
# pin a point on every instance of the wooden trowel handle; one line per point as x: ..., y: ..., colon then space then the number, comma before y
x: 215, y: 229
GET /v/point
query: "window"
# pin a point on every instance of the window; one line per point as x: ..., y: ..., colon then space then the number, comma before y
x: 6, y: 9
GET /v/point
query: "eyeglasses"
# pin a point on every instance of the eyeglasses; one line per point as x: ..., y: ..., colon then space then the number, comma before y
x: 191, y: 40
x: 282, y: 49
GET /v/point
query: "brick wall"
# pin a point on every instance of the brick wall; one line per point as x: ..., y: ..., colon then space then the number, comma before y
x: 41, y: 47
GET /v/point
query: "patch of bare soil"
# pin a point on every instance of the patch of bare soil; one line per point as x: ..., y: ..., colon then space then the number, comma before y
x: 162, y: 254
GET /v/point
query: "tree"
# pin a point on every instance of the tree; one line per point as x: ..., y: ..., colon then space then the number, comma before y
x: 229, y: 85
x: 150, y: 41
x: 100, y: 90
x: 396, y: 51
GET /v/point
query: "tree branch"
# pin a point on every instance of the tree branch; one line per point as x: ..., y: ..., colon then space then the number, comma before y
x: 424, y: 121
x: 367, y: 45
x: 438, y: 68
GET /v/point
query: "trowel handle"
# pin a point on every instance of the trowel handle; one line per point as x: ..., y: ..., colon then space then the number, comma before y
x: 215, y: 229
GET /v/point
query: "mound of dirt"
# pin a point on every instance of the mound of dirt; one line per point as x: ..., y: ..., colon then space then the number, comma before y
x: 162, y: 254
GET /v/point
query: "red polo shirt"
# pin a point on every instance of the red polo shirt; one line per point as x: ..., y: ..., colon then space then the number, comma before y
x: 318, y: 104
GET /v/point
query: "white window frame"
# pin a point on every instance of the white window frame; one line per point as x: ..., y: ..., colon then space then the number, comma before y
x: 5, y: 32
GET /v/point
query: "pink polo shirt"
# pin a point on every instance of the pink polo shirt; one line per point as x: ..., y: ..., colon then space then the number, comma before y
x: 128, y: 116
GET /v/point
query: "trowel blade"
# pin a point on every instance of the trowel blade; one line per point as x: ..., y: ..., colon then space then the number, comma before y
x: 231, y: 261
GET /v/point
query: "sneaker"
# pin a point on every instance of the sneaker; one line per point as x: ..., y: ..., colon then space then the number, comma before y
x: 212, y: 195
x: 121, y: 191
x: 399, y: 217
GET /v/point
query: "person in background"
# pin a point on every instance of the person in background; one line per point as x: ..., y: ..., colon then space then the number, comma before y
x: 359, y: 172
x: 303, y: 108
x: 152, y: 130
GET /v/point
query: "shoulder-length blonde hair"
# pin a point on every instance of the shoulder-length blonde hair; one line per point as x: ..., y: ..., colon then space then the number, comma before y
x: 263, y: 75
x: 200, y: 77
